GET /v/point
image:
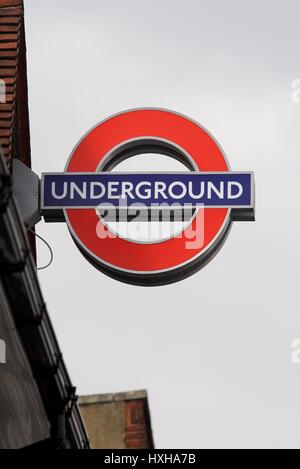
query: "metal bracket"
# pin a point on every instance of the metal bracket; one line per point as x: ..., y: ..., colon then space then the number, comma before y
x: 26, y: 190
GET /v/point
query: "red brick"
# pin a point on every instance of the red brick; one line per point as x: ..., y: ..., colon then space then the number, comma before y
x: 11, y: 3
x: 8, y: 46
x: 9, y: 28
x: 5, y: 141
x: 8, y: 62
x: 6, y: 107
x: 9, y: 37
x: 9, y: 20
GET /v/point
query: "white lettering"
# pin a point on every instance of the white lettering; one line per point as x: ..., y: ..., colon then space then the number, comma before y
x: 81, y: 192
x: 116, y: 459
x: 100, y: 194
x: 112, y: 189
x: 201, y: 193
x: 147, y: 192
x: 159, y: 189
x: 212, y: 188
x: 230, y: 193
x: 64, y: 193
x: 182, y: 186
x: 127, y: 189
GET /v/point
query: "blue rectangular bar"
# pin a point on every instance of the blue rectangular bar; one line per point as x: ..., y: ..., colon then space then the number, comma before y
x: 112, y: 189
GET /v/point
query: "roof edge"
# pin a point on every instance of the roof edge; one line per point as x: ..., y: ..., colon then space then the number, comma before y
x: 112, y: 397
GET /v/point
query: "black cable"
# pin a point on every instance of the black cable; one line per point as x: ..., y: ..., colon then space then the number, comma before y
x: 48, y: 246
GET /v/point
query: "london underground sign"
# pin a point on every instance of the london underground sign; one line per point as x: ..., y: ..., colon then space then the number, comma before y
x: 208, y: 196
x: 86, y: 190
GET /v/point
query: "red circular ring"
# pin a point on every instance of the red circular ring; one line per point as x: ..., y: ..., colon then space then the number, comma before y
x: 130, y: 256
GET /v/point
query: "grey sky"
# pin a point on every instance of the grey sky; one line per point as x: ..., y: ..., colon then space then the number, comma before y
x: 214, y: 350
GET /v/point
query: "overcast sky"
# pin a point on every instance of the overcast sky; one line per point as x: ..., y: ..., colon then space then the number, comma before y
x: 213, y: 351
